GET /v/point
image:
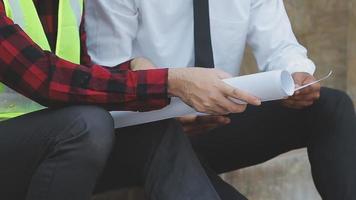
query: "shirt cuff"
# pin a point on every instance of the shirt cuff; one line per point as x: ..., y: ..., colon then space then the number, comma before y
x: 301, y: 65
x: 152, y: 89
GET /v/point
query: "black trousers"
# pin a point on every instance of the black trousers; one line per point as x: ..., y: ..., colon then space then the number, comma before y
x: 69, y: 153
x: 59, y: 154
x: 327, y: 129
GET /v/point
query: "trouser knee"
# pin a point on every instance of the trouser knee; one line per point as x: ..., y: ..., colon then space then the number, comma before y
x: 90, y: 137
x: 334, y: 105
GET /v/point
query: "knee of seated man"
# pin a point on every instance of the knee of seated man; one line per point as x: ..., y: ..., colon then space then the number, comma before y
x: 174, y: 132
x: 92, y: 132
x: 166, y: 135
x: 335, y: 103
x: 175, y: 139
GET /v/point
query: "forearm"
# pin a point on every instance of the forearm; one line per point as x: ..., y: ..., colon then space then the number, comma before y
x: 51, y: 81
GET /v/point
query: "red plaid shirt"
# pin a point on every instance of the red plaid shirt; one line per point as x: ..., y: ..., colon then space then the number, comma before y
x: 51, y: 81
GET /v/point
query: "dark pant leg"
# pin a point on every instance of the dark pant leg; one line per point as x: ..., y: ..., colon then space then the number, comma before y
x: 225, y: 190
x: 327, y: 129
x: 160, y: 158
x: 332, y: 146
x: 54, y: 154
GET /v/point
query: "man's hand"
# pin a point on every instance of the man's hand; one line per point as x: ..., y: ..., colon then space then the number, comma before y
x: 204, y: 90
x: 305, y: 97
x: 194, y: 125
x: 141, y: 64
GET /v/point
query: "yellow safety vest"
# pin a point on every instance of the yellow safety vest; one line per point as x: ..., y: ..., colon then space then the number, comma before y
x: 24, y: 13
x: 70, y: 12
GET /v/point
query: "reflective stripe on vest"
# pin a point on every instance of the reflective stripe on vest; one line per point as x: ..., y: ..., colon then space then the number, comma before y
x: 24, y: 13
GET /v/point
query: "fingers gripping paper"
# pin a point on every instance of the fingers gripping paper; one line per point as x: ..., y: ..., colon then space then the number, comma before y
x: 267, y: 86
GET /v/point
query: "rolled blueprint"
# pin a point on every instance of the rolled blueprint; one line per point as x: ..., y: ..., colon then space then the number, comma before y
x: 267, y: 86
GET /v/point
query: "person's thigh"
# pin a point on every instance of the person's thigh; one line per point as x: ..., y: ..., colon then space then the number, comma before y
x: 327, y: 129
x: 258, y: 135
x: 27, y: 140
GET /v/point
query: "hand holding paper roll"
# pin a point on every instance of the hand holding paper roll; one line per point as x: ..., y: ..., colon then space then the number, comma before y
x: 203, y: 89
x: 307, y: 91
x: 267, y: 86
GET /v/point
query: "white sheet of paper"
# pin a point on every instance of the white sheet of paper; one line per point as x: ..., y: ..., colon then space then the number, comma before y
x: 267, y: 86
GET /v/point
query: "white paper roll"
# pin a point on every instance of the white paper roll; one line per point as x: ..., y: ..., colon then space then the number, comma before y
x: 267, y: 86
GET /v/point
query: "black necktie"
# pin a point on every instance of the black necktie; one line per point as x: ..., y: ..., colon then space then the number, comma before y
x: 202, y: 38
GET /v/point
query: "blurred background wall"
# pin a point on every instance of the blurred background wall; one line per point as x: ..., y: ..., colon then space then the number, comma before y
x: 328, y: 29
x: 351, y: 83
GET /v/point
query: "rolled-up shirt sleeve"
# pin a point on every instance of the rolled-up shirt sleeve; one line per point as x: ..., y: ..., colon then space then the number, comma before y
x: 272, y: 39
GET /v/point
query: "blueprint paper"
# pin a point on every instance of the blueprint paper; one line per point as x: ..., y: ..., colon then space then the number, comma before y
x: 267, y: 86
x: 175, y: 109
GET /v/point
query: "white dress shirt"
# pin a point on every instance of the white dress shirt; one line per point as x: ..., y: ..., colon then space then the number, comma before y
x: 163, y: 31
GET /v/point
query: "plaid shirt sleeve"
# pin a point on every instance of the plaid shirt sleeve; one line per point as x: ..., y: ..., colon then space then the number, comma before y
x: 51, y: 81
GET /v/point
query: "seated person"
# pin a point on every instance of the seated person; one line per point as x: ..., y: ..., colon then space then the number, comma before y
x: 193, y: 33
x: 71, y: 150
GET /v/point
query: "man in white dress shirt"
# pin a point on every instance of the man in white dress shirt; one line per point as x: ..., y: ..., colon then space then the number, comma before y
x: 166, y: 32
